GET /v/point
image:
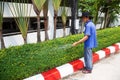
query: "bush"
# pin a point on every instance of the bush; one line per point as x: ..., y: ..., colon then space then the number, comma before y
x: 19, y: 62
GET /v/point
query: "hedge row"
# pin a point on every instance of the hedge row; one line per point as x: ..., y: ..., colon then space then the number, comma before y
x: 19, y: 62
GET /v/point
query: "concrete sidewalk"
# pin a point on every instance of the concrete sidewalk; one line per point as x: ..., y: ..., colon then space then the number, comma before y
x: 106, y: 69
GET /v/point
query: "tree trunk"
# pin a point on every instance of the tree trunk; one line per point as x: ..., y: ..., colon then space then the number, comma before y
x: 97, y: 11
x: 55, y: 24
x: 46, y: 28
x: 101, y: 25
x: 106, y: 18
x: 2, y: 41
x: 25, y: 40
x: 38, y: 21
x: 74, y: 15
x: 45, y: 13
x: 96, y: 17
x: 64, y: 34
x: 108, y: 22
x: 38, y: 29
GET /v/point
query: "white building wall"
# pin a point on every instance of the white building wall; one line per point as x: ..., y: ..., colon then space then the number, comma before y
x: 7, y: 10
x: 15, y: 40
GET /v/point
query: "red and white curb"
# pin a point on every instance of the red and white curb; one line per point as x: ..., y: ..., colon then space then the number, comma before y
x: 69, y: 68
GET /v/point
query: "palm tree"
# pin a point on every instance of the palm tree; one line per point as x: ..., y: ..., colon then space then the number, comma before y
x: 64, y: 20
x: 45, y: 12
x: 38, y: 5
x: 56, y: 5
x: 1, y: 22
x: 21, y: 13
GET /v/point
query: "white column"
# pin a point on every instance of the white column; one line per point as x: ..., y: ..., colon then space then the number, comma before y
x: 50, y: 19
x: 77, y: 24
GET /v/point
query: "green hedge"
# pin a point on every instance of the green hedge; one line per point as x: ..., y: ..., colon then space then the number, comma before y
x: 20, y: 62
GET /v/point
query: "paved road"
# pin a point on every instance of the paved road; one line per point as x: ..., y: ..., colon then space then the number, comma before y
x: 106, y: 69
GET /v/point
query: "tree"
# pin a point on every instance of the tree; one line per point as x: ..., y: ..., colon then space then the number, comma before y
x: 38, y: 5
x: 64, y: 19
x: 113, y: 18
x: 45, y: 13
x: 73, y: 15
x: 96, y: 8
x: 104, y: 6
x: 21, y: 13
x: 92, y: 6
x: 1, y: 22
x: 110, y: 8
x: 56, y: 5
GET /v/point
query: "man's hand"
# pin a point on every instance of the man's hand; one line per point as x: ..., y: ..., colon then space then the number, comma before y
x: 80, y: 41
x: 75, y: 44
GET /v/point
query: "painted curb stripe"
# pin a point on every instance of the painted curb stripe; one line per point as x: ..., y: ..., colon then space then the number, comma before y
x: 77, y: 65
x: 116, y: 47
x: 112, y: 49
x: 52, y: 74
x: 107, y: 51
x: 65, y: 70
x: 69, y: 68
x: 95, y: 57
x: 82, y: 59
x: 36, y: 77
x: 101, y: 54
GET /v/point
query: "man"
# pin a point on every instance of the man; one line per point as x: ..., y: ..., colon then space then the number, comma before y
x: 90, y: 41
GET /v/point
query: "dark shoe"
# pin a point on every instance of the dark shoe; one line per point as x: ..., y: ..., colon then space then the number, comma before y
x: 84, y: 68
x: 86, y: 71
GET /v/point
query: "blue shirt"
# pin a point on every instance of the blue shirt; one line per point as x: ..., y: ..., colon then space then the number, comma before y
x: 90, y: 31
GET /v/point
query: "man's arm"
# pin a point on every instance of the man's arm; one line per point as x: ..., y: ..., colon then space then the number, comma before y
x: 81, y: 40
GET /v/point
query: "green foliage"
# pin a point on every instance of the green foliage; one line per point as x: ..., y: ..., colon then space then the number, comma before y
x: 107, y: 37
x: 64, y: 11
x: 91, y: 6
x: 94, y: 6
x: 21, y: 13
x: 113, y: 6
x: 45, y: 8
x: 111, y: 9
x: 56, y: 4
x: 19, y: 62
x: 64, y: 16
x: 39, y: 4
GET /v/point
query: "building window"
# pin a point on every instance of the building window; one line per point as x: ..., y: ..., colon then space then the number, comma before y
x: 10, y: 27
x: 60, y: 24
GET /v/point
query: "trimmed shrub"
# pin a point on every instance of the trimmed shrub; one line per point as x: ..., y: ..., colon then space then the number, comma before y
x: 19, y: 62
